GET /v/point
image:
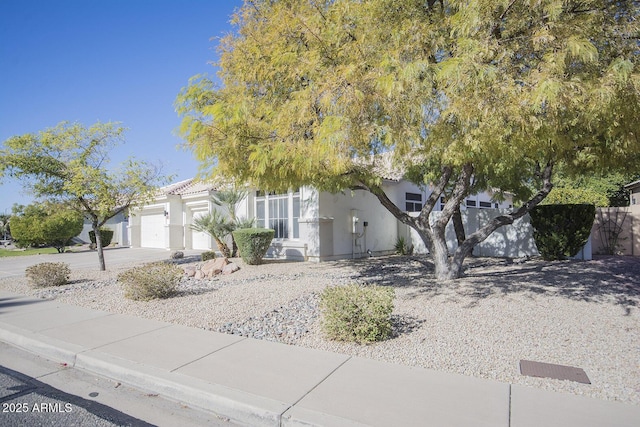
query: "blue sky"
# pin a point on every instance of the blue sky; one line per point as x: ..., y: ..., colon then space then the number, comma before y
x: 110, y: 60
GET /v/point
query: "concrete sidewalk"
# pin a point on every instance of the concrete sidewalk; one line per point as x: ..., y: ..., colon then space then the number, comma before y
x: 258, y: 383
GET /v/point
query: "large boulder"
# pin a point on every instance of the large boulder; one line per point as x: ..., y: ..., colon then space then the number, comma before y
x: 213, y: 267
x: 230, y: 268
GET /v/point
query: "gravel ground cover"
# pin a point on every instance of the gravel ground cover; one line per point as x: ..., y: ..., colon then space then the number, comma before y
x: 577, y: 313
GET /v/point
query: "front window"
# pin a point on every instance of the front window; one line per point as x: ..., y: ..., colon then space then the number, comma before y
x: 279, y: 212
x: 413, y: 202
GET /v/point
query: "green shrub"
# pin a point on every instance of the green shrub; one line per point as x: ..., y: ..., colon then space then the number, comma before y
x: 253, y: 243
x: 560, y: 231
x: 106, y: 236
x: 357, y: 313
x: 402, y: 248
x: 150, y: 281
x: 48, y: 274
x: 566, y: 196
x: 206, y: 256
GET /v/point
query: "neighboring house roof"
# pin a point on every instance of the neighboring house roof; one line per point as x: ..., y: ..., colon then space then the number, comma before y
x: 633, y: 185
x: 187, y: 187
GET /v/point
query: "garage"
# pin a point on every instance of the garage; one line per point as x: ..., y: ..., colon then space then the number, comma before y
x: 152, y: 227
x: 200, y: 240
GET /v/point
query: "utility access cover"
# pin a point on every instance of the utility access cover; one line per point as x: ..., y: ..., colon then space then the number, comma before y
x: 549, y: 370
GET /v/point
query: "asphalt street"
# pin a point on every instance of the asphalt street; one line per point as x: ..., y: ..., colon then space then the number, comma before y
x: 38, y: 392
x: 28, y: 402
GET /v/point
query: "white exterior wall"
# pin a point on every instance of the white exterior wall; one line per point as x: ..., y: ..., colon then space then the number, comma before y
x: 380, y: 234
x: 514, y: 241
x: 119, y: 224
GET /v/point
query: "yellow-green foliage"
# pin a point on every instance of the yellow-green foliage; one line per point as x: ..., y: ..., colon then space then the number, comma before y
x: 46, y: 224
x: 48, y: 274
x: 207, y: 255
x: 69, y: 161
x: 150, y: 281
x: 575, y: 196
x: 463, y: 95
x: 506, y: 86
x: 357, y: 313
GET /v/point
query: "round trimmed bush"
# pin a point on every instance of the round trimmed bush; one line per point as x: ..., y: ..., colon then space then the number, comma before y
x: 48, y: 274
x: 106, y: 235
x: 357, y: 313
x: 560, y: 231
x: 206, y: 256
x: 151, y: 281
x: 253, y: 243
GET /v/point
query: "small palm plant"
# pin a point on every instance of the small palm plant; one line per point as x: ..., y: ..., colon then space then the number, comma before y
x: 216, y: 225
x: 230, y: 199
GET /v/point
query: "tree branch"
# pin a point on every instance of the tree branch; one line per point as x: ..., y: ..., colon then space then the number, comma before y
x: 484, y: 232
x: 433, y: 198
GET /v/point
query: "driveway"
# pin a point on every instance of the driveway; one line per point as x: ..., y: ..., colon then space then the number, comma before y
x: 15, y: 266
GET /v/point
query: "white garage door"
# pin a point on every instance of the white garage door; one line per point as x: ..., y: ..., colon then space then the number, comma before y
x: 152, y: 231
x: 199, y: 240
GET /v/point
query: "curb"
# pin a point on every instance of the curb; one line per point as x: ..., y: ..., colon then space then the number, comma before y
x: 236, y: 405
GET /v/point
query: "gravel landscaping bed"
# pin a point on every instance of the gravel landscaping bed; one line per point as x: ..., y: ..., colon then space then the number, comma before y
x: 576, y: 313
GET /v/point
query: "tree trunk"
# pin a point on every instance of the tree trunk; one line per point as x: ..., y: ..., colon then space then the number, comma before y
x: 96, y: 231
x: 222, y: 246
x: 234, y: 247
x: 448, y: 268
x: 458, y: 226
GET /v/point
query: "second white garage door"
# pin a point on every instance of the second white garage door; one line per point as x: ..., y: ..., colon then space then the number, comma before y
x: 152, y: 231
x: 200, y: 240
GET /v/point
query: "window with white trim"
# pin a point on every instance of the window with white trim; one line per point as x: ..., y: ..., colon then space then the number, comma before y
x: 279, y: 212
x: 413, y: 202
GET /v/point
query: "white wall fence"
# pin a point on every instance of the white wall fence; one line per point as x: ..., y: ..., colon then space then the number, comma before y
x: 512, y: 241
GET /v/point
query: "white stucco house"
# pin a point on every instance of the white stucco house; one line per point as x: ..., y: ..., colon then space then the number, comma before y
x: 634, y: 192
x: 119, y: 224
x: 309, y: 224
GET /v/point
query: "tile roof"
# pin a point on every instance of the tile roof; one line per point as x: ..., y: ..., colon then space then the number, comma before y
x: 187, y: 187
x: 632, y: 184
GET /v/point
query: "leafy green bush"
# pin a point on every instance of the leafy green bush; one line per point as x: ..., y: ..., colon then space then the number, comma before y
x: 150, y: 281
x: 253, y: 243
x: 206, y: 256
x: 45, y: 224
x: 106, y: 236
x: 48, y: 274
x: 566, y: 196
x: 560, y: 231
x: 357, y: 313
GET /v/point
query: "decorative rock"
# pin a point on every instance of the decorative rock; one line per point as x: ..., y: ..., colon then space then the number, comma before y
x: 230, y: 268
x: 198, y: 275
x: 177, y: 255
x: 190, y: 271
x: 214, y: 266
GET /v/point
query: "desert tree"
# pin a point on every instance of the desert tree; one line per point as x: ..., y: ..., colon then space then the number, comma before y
x: 463, y: 96
x: 70, y: 163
